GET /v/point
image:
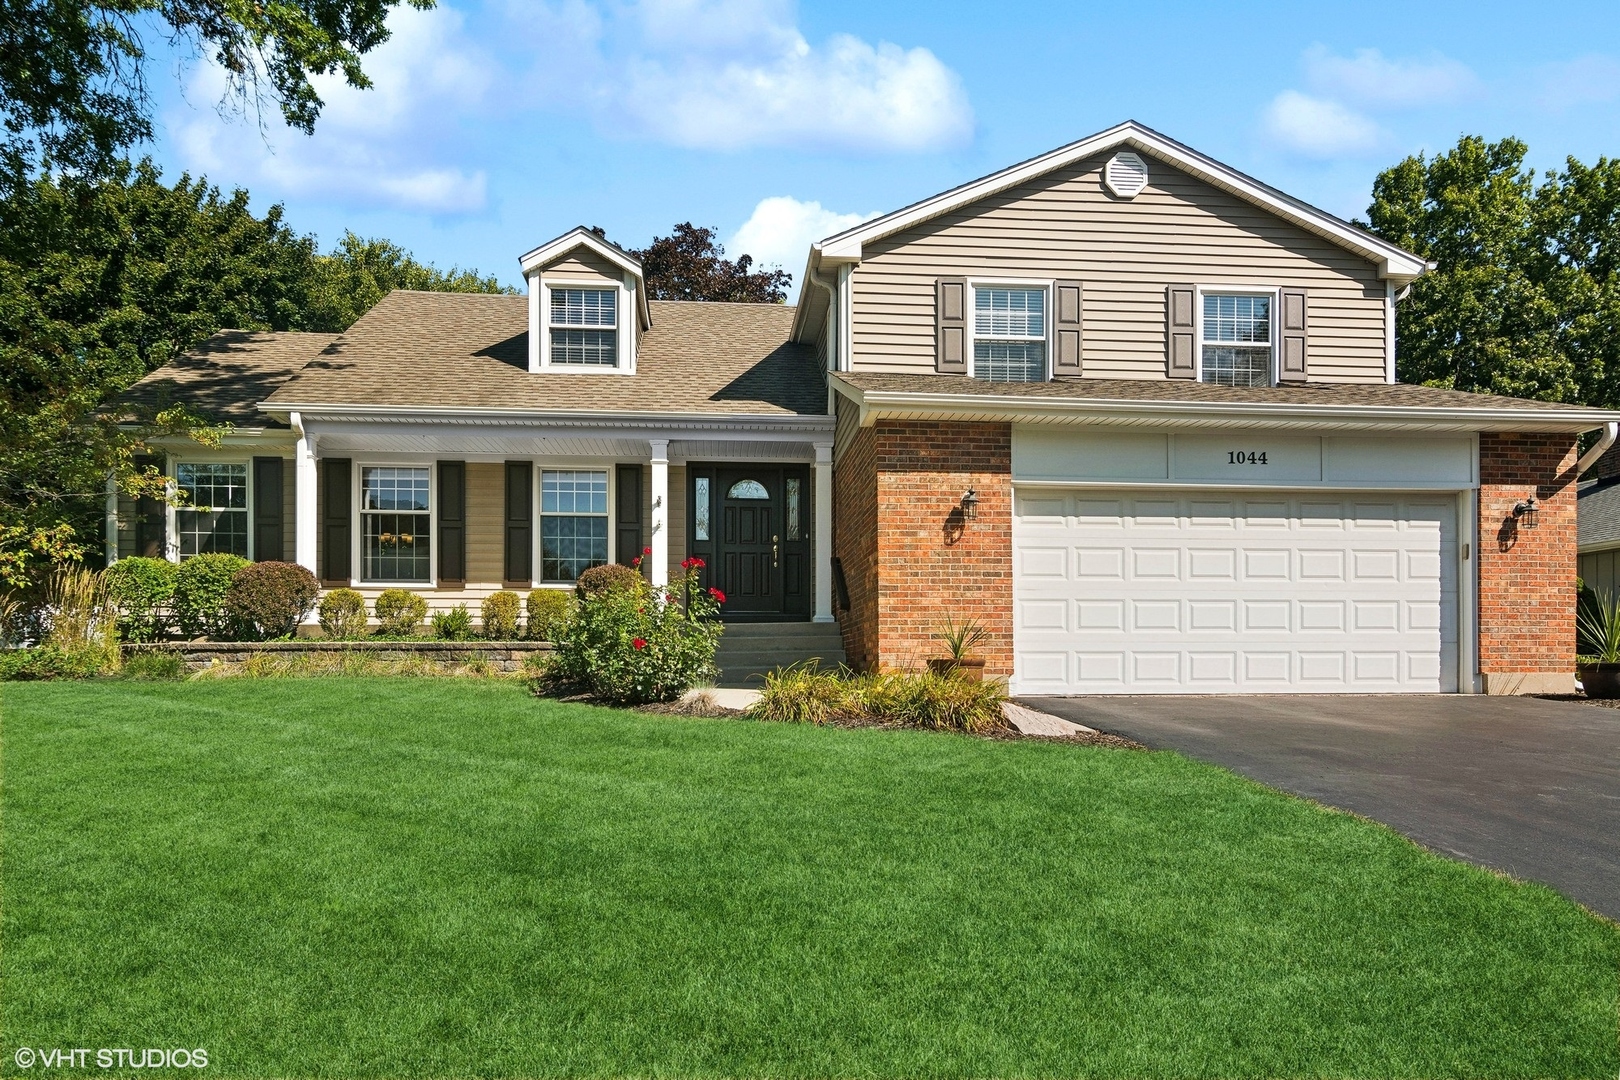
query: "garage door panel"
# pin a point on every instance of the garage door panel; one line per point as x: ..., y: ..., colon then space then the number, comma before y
x: 1312, y: 594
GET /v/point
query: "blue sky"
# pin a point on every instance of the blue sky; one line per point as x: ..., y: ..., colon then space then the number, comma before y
x: 497, y: 124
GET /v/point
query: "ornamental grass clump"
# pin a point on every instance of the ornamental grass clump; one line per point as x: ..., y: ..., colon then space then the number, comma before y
x: 200, y: 585
x: 631, y: 644
x: 1597, y: 626
x: 142, y: 590
x: 804, y: 694
x: 500, y: 611
x: 454, y: 624
x: 267, y: 600
x: 81, y: 631
x: 342, y: 613
x: 550, y: 612
x: 399, y: 613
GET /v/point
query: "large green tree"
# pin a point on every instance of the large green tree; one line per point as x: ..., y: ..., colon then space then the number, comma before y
x: 1523, y: 299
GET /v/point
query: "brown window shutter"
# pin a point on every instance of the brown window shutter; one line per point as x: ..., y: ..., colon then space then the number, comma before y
x: 1291, y: 324
x: 1181, y: 330
x: 950, y: 326
x: 335, y: 520
x: 267, y: 536
x: 519, y: 522
x: 151, y: 517
x: 1066, y: 323
x: 627, y: 519
x: 452, y: 511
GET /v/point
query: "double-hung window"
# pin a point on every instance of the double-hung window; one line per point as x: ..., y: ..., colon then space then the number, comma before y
x: 396, y: 524
x: 215, y: 516
x: 584, y: 327
x: 573, y: 522
x: 1009, y: 334
x: 1235, y: 349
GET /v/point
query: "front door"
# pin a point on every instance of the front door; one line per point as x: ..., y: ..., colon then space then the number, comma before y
x: 749, y: 525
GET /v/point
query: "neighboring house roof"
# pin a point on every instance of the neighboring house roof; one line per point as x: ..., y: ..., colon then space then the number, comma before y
x: 227, y: 376
x: 1140, y: 402
x: 470, y: 351
x: 1597, y: 510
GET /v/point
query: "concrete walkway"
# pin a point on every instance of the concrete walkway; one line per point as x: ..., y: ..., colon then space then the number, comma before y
x: 1524, y: 785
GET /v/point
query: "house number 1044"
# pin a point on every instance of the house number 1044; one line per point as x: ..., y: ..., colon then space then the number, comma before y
x: 1245, y: 457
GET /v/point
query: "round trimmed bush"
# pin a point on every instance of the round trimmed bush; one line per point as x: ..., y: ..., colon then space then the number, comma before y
x: 269, y: 599
x: 399, y: 613
x: 599, y: 579
x: 500, y: 612
x: 141, y: 589
x: 343, y: 615
x: 550, y: 612
x: 453, y: 625
x: 200, y: 585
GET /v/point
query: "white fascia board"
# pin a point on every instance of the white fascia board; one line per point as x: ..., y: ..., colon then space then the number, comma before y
x: 884, y: 404
x: 1393, y: 262
x: 428, y: 414
x: 580, y: 236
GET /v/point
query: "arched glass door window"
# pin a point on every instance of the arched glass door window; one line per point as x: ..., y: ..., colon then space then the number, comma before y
x: 748, y: 489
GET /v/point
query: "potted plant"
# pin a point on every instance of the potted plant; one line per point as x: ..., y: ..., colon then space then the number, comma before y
x: 960, y: 639
x: 1597, y: 624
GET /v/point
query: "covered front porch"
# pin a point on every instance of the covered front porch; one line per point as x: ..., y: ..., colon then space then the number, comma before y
x: 456, y: 508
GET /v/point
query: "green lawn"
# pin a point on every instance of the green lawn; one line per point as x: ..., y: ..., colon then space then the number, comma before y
x: 440, y: 877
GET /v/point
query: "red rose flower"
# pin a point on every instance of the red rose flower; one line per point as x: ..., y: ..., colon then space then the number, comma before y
x: 717, y: 594
x: 640, y: 643
x: 698, y: 563
x: 646, y: 551
x: 636, y: 561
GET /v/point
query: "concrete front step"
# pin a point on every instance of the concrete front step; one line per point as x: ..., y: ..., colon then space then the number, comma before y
x: 748, y: 650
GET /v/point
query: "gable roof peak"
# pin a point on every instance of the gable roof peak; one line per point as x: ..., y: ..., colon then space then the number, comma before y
x: 577, y: 237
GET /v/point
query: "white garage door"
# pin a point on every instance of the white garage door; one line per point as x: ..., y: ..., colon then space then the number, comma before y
x: 1163, y: 592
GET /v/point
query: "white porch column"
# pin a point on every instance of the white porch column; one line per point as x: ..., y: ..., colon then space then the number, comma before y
x: 304, y: 522
x: 660, y: 511
x: 112, y: 519
x: 824, y: 552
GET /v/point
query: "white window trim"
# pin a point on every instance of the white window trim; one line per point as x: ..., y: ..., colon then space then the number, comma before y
x: 357, y: 525
x: 611, y: 468
x: 171, y: 524
x: 1273, y: 291
x: 625, y: 336
x: 1047, y: 286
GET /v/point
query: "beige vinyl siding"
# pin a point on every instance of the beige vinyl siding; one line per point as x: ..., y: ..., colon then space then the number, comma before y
x: 848, y: 426
x: 677, y: 520
x: 1180, y: 230
x: 289, y: 509
x: 486, y: 523
x: 583, y: 264
x: 1600, y: 570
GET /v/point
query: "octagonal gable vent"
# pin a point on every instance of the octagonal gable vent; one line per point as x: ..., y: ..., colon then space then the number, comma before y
x: 1125, y: 175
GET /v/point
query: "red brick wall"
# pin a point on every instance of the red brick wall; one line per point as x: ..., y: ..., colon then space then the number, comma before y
x: 1526, y: 576
x: 926, y: 561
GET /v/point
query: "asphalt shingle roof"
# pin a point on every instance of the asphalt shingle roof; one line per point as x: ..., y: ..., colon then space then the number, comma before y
x: 1597, y: 513
x: 228, y: 375
x: 471, y: 351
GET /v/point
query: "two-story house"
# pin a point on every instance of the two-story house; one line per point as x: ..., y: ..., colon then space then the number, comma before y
x: 1132, y: 410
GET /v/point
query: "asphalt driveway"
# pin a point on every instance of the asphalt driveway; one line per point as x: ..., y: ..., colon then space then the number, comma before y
x: 1524, y: 785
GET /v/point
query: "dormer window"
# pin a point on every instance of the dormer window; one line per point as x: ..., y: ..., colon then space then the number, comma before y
x: 584, y: 326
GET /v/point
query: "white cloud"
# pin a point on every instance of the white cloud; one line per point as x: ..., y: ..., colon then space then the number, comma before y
x: 1371, y: 81
x: 732, y: 74
x: 385, y: 145
x: 781, y: 229
x: 1316, y: 127
x: 1585, y: 80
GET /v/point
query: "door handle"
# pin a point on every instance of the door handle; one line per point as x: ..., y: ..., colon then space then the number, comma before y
x: 775, y: 562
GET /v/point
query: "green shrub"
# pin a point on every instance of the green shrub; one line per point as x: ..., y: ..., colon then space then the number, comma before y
x: 804, y: 694
x: 343, y: 615
x: 550, y: 612
x: 153, y: 665
x: 630, y: 645
x: 500, y: 611
x: 269, y: 599
x: 200, y: 585
x: 399, y: 613
x: 141, y: 589
x: 599, y: 579
x: 51, y: 661
x: 453, y: 625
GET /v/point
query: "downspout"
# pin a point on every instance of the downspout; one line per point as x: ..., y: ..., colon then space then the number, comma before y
x: 832, y: 353
x: 1606, y: 440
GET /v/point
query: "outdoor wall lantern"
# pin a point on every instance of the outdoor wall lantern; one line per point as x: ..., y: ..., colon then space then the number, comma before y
x: 970, y: 504
x: 1527, y: 514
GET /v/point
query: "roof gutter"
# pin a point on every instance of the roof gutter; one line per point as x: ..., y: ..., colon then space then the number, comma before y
x: 884, y: 404
x: 1606, y: 440
x: 535, y: 417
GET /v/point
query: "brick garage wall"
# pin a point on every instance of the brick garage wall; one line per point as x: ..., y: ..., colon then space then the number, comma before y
x: 1527, y: 576
x: 899, y: 487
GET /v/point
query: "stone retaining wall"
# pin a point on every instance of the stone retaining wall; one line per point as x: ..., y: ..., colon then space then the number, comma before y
x: 501, y: 656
